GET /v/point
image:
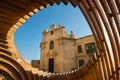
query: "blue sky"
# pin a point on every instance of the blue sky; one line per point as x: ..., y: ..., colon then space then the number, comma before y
x: 29, y: 35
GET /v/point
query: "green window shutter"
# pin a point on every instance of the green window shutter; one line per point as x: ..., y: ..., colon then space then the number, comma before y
x: 90, y: 48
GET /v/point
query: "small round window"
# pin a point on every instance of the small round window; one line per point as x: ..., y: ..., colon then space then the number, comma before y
x: 52, y: 33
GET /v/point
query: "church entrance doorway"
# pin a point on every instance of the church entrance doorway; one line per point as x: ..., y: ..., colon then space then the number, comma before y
x: 51, y: 65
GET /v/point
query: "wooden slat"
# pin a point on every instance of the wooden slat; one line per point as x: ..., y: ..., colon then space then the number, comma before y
x: 50, y: 2
x: 7, y: 17
x: 3, y: 41
x: 5, y: 51
x: 92, y: 17
x: 4, y: 45
x: 14, y: 6
x: 57, y: 1
x: 115, y: 51
x: 14, y: 9
x: 2, y: 23
x: 73, y: 3
x: 18, y: 4
x: 31, y: 4
x: 30, y: 75
x: 6, y: 21
x: 42, y: 2
x: 8, y: 14
x: 105, y: 54
x: 65, y: 1
x: 106, y: 24
x: 118, y: 4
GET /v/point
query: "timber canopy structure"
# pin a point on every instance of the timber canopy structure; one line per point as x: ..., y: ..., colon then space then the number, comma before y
x: 103, y: 17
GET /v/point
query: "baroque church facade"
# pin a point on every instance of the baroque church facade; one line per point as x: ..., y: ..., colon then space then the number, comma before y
x: 61, y: 52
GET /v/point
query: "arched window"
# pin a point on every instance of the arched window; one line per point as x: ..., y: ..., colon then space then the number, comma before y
x: 51, y: 45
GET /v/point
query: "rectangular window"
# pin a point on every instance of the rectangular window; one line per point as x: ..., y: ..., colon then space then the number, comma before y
x: 79, y: 47
x: 81, y: 63
x: 38, y: 62
x: 90, y: 48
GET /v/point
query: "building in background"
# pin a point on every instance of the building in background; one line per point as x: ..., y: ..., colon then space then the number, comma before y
x: 61, y: 52
x: 35, y: 63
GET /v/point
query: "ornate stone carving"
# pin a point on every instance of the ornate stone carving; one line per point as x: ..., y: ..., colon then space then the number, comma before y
x: 52, y: 53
